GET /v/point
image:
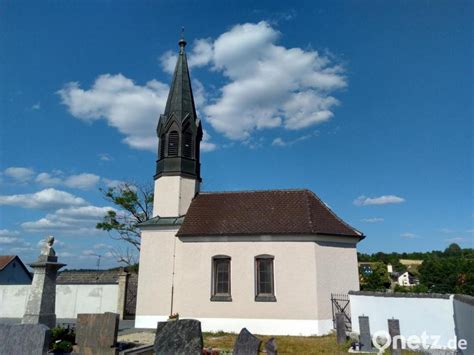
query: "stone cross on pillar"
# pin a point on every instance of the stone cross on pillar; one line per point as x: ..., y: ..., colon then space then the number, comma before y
x: 40, y: 307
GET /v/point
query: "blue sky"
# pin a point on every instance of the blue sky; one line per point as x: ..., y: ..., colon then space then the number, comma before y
x: 368, y: 104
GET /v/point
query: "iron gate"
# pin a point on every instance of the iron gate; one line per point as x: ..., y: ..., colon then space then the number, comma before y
x: 340, y: 304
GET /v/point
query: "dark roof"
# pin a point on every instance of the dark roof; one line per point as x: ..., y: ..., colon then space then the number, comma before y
x: 262, y: 213
x: 89, y: 277
x: 5, y: 260
x: 180, y: 98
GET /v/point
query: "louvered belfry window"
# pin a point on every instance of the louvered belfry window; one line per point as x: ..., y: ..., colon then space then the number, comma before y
x: 188, y: 145
x: 162, y: 146
x: 173, y: 144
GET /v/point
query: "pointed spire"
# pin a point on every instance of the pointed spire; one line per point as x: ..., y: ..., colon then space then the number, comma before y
x: 180, y: 99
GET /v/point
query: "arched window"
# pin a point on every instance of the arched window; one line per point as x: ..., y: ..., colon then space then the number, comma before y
x: 188, y: 145
x: 173, y: 143
x: 162, y: 146
x: 264, y: 279
x: 220, y: 288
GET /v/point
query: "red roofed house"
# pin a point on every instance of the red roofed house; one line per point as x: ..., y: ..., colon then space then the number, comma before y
x: 13, y: 271
x: 264, y: 260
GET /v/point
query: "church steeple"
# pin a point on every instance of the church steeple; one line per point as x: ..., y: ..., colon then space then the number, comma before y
x: 179, y: 130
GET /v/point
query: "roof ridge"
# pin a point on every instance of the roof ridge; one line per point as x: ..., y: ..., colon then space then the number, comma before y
x: 250, y: 191
x: 8, y: 260
x: 335, y: 215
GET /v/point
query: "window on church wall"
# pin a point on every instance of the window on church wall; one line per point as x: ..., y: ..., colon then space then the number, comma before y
x: 221, y: 278
x: 173, y: 143
x: 188, y: 145
x: 264, y: 279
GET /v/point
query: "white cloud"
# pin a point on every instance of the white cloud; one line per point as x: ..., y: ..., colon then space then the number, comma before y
x: 373, y: 220
x: 381, y: 200
x: 8, y: 240
x: 19, y: 174
x: 36, y: 106
x: 113, y: 183
x: 124, y: 105
x: 206, y: 144
x: 269, y: 85
x: 9, y: 237
x: 45, y: 199
x: 82, y: 181
x: 280, y: 142
x: 48, y: 179
x: 409, y: 235
x: 72, y: 220
x: 105, y: 157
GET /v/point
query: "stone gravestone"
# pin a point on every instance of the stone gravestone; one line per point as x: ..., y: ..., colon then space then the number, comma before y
x: 246, y: 343
x: 394, y: 331
x: 41, y: 303
x: 179, y: 337
x: 365, y: 339
x: 271, y: 347
x: 97, y: 333
x: 340, y: 328
x: 31, y: 339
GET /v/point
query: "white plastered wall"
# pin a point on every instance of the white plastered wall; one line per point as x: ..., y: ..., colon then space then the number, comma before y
x: 173, y: 195
x: 70, y: 299
x: 295, y: 272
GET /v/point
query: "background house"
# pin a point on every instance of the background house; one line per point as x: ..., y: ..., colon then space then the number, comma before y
x: 13, y: 271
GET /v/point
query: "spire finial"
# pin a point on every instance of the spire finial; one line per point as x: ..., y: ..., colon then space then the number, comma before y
x: 182, y: 42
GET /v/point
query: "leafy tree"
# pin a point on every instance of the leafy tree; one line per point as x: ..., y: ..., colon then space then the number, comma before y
x: 134, y: 205
x: 377, y: 280
x: 453, y: 250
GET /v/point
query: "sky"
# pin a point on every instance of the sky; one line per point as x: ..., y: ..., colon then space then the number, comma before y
x: 366, y: 103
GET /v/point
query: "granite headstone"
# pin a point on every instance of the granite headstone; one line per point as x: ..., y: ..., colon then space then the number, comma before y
x: 394, y: 332
x: 271, y: 347
x: 179, y: 337
x: 340, y: 328
x: 31, y: 339
x: 246, y: 343
x: 97, y: 333
x: 365, y: 339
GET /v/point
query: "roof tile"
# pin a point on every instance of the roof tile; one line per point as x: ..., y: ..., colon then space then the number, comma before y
x: 262, y: 212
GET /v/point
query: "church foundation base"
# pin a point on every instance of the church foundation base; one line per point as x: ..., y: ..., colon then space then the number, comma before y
x: 305, y: 327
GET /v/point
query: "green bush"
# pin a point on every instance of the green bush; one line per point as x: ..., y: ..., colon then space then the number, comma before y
x: 62, y: 339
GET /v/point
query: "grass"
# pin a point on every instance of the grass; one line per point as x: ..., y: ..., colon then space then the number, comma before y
x: 286, y: 344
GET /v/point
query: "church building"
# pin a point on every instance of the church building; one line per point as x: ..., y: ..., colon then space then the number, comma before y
x: 264, y: 260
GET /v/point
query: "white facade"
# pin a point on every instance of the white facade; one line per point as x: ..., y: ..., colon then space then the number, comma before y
x: 404, y: 279
x: 173, y: 195
x: 176, y: 275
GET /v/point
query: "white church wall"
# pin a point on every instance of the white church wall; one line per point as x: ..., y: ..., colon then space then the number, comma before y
x: 338, y: 273
x: 70, y: 299
x: 295, y: 272
x: 155, y: 273
x: 173, y: 195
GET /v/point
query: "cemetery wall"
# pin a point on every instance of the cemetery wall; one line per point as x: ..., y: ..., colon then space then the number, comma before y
x: 70, y: 299
x: 430, y: 313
